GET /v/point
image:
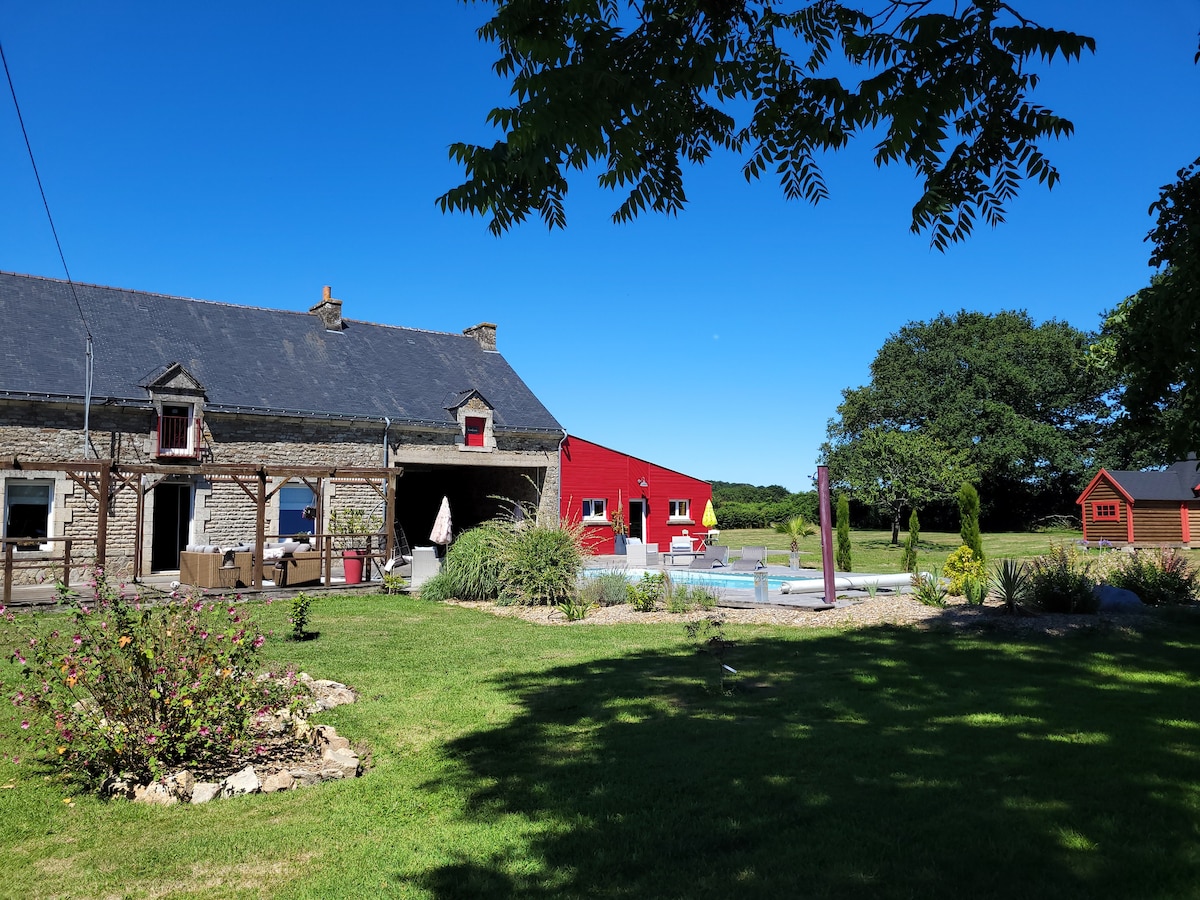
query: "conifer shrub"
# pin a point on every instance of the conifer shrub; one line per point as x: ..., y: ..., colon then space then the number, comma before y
x: 908, y: 558
x: 968, y: 517
x: 843, y: 561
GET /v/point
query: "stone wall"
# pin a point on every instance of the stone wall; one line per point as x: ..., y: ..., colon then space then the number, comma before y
x: 222, y: 513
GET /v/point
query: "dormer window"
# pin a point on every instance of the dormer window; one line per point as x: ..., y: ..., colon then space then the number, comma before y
x: 178, y: 432
x: 476, y: 421
x: 474, y: 426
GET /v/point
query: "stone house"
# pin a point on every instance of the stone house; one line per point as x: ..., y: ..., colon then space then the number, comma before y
x: 209, y: 423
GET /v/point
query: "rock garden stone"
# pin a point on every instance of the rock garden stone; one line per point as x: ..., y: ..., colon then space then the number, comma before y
x: 290, y: 754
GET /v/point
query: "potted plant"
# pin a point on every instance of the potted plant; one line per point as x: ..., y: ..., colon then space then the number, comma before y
x: 620, y: 532
x: 796, y: 528
x: 352, y: 529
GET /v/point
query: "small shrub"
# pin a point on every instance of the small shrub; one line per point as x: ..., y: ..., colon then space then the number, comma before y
x: 301, y: 604
x: 575, y: 609
x: 438, y: 589
x: 125, y: 687
x: 474, y: 562
x: 1059, y: 582
x: 683, y: 598
x: 1011, y: 583
x: 541, y: 565
x: 963, y: 566
x: 928, y: 590
x: 394, y: 584
x: 646, y: 594
x: 975, y: 590
x: 1158, y: 577
x: 608, y: 588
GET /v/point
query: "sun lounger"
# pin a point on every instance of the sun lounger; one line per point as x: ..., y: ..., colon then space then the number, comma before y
x: 753, y: 558
x: 713, y: 558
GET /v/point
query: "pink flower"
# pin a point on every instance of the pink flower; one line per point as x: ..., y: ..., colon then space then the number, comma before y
x: 203, y: 731
x: 25, y: 723
x: 150, y: 739
x: 259, y: 641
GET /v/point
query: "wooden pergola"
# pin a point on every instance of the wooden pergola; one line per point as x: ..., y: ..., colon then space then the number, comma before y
x: 104, y: 479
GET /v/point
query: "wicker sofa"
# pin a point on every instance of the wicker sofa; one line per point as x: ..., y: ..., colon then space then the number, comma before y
x: 210, y: 570
x: 297, y: 568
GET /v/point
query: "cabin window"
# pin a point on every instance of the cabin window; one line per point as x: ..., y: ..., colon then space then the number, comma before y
x: 679, y: 511
x: 594, y: 511
x: 1105, y: 511
x: 177, y: 427
x: 474, y: 431
x: 27, y: 508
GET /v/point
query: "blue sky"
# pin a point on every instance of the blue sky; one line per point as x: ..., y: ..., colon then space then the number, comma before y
x: 253, y: 152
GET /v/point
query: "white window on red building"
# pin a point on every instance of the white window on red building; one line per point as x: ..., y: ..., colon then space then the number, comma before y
x: 679, y: 511
x: 594, y: 510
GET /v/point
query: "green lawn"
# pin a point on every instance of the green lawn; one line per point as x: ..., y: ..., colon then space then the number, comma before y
x: 586, y: 761
x: 872, y: 551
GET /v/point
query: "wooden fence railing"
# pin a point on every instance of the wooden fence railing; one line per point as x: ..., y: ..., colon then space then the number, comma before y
x: 19, y: 556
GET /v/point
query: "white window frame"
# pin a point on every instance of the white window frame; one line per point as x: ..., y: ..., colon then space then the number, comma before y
x: 590, y: 516
x: 48, y: 484
x: 679, y: 512
x: 190, y: 450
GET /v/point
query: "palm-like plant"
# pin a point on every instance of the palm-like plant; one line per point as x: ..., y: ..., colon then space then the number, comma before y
x: 796, y: 528
x: 1011, y: 582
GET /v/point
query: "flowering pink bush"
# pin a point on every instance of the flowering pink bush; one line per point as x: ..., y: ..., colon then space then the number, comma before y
x: 134, y: 688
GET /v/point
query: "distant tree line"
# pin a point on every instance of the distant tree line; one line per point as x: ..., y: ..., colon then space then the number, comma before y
x: 740, y: 505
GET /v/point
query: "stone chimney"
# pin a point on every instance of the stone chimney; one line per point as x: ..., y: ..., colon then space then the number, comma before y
x: 484, y: 333
x: 330, y: 311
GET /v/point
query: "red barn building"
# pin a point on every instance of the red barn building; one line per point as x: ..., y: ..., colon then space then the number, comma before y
x: 656, y: 503
x: 1143, y: 508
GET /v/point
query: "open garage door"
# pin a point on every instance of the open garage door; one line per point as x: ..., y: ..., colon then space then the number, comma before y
x: 477, y: 494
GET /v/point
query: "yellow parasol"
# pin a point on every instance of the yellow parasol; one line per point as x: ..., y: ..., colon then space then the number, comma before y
x: 710, y: 516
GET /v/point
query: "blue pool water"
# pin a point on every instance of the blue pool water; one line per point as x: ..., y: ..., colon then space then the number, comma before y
x: 717, y: 580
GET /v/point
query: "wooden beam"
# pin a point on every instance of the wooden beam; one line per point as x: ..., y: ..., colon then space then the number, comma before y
x: 102, y: 517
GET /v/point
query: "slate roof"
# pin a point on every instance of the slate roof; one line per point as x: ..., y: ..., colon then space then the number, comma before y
x: 1173, y: 483
x: 248, y: 359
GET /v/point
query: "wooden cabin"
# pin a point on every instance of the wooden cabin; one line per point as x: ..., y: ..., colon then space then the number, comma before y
x: 1159, y: 508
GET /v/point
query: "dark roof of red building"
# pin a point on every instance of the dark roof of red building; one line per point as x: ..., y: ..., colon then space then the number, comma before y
x: 1176, y: 482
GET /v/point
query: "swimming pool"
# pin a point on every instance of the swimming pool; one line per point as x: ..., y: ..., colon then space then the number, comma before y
x: 703, y: 578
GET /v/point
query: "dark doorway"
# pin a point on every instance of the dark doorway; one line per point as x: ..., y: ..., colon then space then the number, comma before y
x: 637, y: 515
x: 172, y: 519
x: 476, y: 494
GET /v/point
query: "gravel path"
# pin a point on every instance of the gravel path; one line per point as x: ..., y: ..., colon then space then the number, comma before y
x: 890, y: 610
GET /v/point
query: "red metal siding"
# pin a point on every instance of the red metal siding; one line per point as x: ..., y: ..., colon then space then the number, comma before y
x: 591, y: 471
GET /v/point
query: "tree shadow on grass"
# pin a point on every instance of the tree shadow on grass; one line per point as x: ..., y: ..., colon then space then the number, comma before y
x: 877, y: 763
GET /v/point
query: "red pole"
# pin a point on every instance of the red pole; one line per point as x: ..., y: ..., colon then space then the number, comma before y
x: 826, y: 533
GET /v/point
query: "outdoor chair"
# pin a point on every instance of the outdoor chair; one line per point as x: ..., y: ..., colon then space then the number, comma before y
x: 713, y: 558
x: 753, y: 558
x: 213, y: 569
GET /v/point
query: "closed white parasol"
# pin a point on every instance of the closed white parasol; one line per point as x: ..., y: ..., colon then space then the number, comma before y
x: 441, y: 533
